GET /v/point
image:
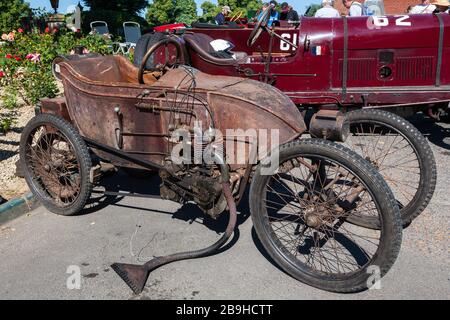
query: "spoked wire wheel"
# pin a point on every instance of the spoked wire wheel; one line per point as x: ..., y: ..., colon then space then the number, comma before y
x: 401, y: 155
x: 56, y: 164
x: 301, y: 215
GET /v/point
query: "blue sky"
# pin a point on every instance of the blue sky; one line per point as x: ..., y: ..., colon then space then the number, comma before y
x: 299, y: 5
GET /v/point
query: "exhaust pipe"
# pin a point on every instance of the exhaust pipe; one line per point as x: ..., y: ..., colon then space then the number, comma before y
x: 135, y: 276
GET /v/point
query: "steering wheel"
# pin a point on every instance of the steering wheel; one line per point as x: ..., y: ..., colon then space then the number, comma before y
x: 167, y: 64
x: 237, y: 16
x: 259, y: 27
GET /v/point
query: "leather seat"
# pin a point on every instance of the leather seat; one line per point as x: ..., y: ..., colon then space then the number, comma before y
x: 201, y: 44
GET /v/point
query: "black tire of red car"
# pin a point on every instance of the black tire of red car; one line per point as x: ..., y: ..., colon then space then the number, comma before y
x: 143, y: 45
x: 391, y: 231
x: 424, y: 154
x: 80, y: 157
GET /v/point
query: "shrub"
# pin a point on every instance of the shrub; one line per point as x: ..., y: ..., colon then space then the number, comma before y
x: 25, y: 64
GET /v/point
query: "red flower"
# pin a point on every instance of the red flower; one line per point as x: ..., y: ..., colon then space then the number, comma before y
x: 47, y: 30
x: 20, y: 30
x: 2, y: 74
x: 17, y: 58
x: 8, y: 56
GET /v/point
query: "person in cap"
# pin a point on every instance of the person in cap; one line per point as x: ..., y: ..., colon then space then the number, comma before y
x: 441, y: 6
x: 327, y: 10
x: 424, y: 7
x: 288, y: 13
x: 220, y: 18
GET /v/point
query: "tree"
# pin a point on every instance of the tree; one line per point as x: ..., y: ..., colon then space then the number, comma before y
x: 11, y: 13
x: 210, y: 10
x: 185, y: 11
x: 161, y: 12
x: 170, y: 11
x: 130, y: 6
x: 114, y: 12
x: 244, y: 6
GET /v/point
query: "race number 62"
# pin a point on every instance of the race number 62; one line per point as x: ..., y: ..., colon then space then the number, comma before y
x: 382, y: 21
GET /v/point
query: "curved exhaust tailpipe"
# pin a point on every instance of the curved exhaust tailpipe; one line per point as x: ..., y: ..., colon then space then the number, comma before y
x: 135, y: 276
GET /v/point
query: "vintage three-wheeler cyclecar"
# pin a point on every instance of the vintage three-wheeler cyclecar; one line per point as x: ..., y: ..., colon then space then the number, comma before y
x: 322, y: 212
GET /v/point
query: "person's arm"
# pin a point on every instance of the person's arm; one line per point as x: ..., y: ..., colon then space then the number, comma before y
x: 220, y: 19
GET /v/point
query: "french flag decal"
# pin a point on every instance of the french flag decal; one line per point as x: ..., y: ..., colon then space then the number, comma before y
x: 319, y: 50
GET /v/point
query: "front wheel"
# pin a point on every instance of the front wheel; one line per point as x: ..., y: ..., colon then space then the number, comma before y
x: 56, y: 164
x: 301, y: 207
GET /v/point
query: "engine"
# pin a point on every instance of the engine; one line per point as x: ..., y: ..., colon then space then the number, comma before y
x: 199, y: 184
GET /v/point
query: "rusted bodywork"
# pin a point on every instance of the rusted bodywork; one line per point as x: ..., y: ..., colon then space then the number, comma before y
x: 130, y: 118
x: 105, y: 102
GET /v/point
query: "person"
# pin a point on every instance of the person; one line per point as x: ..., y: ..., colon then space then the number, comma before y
x: 273, y: 15
x: 261, y: 11
x: 288, y: 13
x: 424, y: 7
x: 220, y: 18
x: 355, y: 9
x: 327, y: 10
x: 441, y: 6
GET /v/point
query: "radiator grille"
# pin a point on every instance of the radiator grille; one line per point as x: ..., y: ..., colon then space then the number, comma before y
x: 414, y: 68
x: 363, y: 69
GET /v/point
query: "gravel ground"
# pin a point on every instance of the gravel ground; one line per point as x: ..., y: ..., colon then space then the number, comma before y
x: 429, y: 233
x: 10, y: 185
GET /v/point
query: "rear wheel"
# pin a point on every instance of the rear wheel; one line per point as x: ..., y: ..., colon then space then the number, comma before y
x: 301, y: 208
x: 400, y: 153
x: 56, y: 164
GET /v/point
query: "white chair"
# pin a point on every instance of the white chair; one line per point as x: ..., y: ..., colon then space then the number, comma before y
x: 99, y: 27
x: 132, y: 31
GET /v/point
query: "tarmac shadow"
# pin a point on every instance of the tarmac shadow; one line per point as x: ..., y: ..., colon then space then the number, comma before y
x: 149, y: 187
x: 435, y: 132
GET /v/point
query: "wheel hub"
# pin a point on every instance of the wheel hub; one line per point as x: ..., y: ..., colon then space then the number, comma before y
x: 318, y: 215
x: 313, y: 216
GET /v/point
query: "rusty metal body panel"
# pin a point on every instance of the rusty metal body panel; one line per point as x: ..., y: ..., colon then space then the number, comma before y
x: 106, y: 104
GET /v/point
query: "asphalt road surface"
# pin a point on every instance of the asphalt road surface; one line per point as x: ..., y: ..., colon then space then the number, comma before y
x: 39, y: 249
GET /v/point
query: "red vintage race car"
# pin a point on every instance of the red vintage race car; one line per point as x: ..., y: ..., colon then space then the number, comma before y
x: 393, y: 61
x: 365, y: 66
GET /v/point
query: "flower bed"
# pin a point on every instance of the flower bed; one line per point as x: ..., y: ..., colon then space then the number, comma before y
x: 25, y: 65
x: 25, y: 78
